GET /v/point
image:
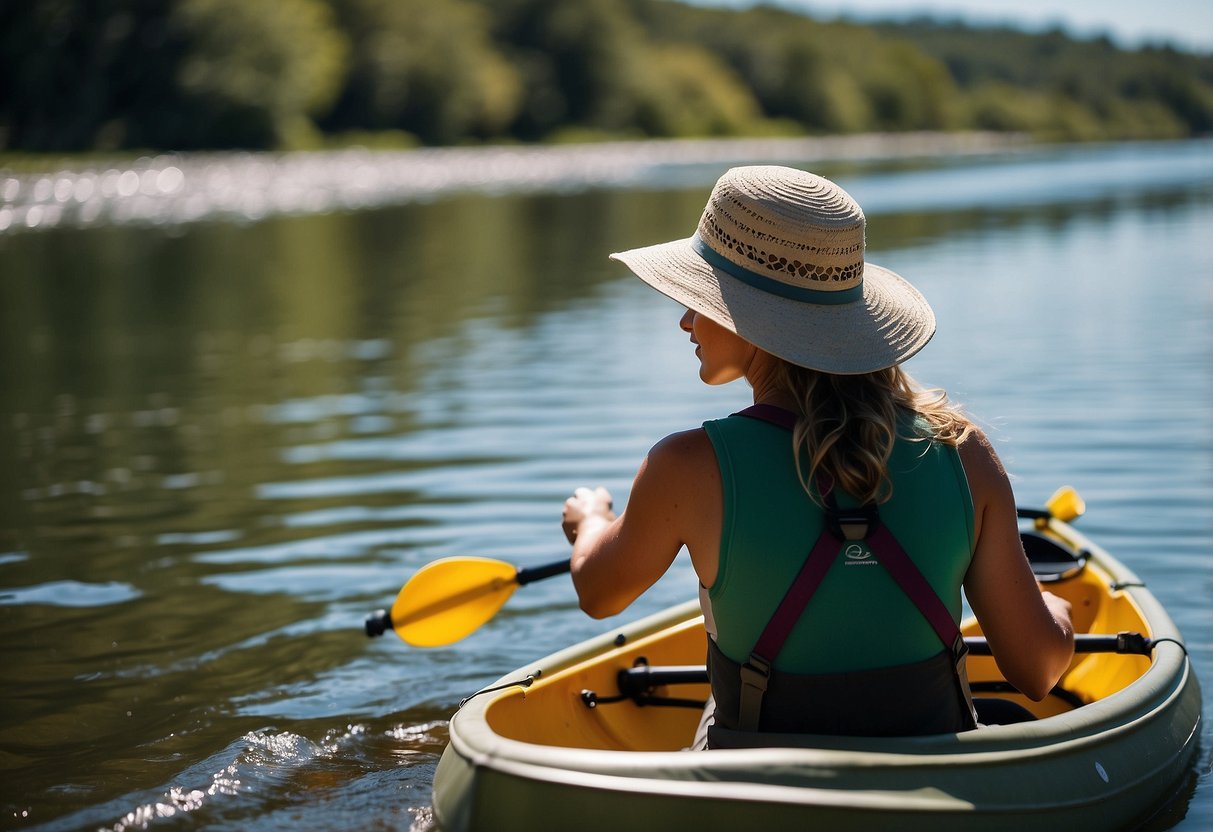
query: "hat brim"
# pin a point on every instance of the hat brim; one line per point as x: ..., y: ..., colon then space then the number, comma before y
x: 891, y: 323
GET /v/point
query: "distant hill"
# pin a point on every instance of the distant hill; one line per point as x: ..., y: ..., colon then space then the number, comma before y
x: 77, y: 75
x: 1110, y: 82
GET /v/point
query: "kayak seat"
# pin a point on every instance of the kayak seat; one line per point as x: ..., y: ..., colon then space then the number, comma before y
x: 1050, y: 560
x: 994, y: 711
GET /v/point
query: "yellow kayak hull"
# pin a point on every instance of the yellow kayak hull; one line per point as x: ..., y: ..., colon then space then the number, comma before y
x: 1103, y: 754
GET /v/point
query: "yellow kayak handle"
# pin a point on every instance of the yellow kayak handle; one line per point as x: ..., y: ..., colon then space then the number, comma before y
x: 1066, y: 504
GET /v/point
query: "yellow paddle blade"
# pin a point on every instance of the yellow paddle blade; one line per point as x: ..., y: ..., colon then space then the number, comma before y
x: 1066, y: 504
x: 448, y: 599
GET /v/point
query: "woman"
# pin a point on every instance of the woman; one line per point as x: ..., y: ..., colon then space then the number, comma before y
x: 833, y: 524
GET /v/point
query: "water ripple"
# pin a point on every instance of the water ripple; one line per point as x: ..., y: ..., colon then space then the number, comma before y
x: 70, y: 594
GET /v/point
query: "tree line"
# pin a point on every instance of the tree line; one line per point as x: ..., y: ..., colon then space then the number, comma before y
x: 85, y: 75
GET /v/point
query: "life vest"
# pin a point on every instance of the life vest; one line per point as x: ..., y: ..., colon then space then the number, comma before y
x: 924, y: 697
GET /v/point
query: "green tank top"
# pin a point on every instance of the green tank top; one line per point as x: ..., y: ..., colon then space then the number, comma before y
x: 859, y: 618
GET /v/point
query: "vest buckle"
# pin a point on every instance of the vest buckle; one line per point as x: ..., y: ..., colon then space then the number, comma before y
x: 852, y: 523
x: 755, y: 674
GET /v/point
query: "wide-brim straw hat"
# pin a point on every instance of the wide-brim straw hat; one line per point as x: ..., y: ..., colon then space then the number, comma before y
x: 778, y: 258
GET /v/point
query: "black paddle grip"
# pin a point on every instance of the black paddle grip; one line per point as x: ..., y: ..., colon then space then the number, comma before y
x: 378, y: 623
x: 538, y: 573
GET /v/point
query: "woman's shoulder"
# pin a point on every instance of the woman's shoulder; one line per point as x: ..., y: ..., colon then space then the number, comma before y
x: 680, y: 461
x: 987, y: 477
x: 978, y: 454
x: 682, y: 446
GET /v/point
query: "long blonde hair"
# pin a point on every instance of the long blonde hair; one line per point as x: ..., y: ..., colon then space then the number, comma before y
x: 848, y: 425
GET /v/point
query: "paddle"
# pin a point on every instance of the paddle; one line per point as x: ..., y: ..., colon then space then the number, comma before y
x: 451, y: 598
x: 447, y: 600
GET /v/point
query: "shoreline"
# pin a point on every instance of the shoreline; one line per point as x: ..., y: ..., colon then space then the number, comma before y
x: 171, y: 189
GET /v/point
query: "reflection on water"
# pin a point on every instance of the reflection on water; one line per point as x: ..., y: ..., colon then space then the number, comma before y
x: 221, y: 445
x: 172, y: 189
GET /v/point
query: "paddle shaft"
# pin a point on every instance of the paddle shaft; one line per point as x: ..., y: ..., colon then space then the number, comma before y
x: 537, y: 573
x: 643, y: 677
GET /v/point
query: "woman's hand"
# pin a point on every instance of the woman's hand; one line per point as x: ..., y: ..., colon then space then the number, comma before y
x: 1059, y: 607
x: 586, y: 507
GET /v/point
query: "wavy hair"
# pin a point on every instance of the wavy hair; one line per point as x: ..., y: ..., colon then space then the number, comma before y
x: 848, y: 425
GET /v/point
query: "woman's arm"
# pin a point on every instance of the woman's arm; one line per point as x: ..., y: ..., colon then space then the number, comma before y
x: 1029, y: 631
x: 615, y: 559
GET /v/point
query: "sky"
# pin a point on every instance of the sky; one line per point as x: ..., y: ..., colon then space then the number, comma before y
x: 1184, y: 24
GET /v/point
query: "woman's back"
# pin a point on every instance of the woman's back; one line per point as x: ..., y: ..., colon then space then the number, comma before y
x: 859, y: 618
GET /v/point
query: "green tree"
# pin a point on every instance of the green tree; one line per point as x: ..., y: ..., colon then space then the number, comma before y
x: 908, y: 89
x: 254, y: 73
x: 1164, y: 77
x: 75, y: 75
x: 184, y: 74
x: 1094, y: 88
x: 578, y: 60
x: 828, y: 77
x: 81, y: 75
x: 687, y: 91
x: 425, y: 66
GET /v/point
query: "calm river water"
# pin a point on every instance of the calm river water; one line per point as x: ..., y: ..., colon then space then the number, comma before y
x: 223, y: 443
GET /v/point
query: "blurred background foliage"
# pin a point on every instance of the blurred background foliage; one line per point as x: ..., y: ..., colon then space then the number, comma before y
x: 104, y: 75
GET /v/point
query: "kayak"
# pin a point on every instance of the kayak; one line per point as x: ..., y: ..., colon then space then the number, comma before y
x: 593, y: 737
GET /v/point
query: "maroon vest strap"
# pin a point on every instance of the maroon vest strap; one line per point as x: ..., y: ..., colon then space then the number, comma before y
x: 770, y: 413
x: 895, y: 561
x: 884, y: 546
x: 912, y: 582
x: 803, y: 587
